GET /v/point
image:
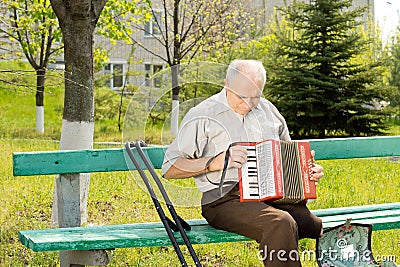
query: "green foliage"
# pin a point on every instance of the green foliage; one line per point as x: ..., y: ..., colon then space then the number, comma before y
x: 190, y: 95
x: 34, y: 26
x: 100, y: 55
x: 316, y: 81
x: 110, y: 109
x: 118, y: 18
x: 394, y: 67
x: 106, y: 104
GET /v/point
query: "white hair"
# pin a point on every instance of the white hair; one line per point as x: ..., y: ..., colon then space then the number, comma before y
x: 251, y: 69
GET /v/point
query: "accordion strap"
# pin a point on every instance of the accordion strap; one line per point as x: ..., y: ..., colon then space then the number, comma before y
x: 226, y: 162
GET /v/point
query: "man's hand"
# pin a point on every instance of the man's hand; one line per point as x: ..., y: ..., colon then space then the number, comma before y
x: 318, y: 170
x: 238, y: 156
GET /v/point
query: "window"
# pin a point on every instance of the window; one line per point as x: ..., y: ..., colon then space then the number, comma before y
x: 147, y: 68
x: 118, y: 79
x: 117, y: 74
x: 151, y: 78
x: 152, y: 27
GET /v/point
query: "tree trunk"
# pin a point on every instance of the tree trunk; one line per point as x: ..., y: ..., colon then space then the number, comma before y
x: 77, y: 20
x: 40, y: 79
x: 77, y: 26
x: 175, y: 70
x: 175, y: 100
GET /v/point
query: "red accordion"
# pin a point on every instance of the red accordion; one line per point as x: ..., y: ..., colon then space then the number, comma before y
x: 277, y: 171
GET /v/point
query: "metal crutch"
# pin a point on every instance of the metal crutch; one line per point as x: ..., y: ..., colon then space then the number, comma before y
x: 180, y: 224
x: 168, y: 224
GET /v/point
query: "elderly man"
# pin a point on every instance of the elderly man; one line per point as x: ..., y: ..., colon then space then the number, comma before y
x: 239, y: 113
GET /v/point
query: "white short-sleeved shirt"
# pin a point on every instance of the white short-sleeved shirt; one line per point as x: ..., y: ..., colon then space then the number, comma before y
x: 209, y: 128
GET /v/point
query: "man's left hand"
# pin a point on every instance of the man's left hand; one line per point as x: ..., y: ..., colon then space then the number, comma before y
x: 318, y: 170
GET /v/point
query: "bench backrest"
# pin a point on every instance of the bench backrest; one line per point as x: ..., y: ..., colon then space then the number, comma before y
x: 115, y: 159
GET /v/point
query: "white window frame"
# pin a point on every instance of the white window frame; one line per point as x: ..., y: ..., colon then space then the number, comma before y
x: 151, y: 29
x: 113, y: 77
x: 151, y: 69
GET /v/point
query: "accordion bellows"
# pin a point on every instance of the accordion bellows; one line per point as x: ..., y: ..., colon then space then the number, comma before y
x: 277, y: 171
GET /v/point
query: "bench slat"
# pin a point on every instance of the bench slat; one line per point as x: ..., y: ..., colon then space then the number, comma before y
x: 119, y: 236
x: 357, y: 147
x: 385, y: 223
x: 357, y: 209
x: 363, y: 215
x: 153, y: 234
x: 80, y: 161
x: 104, y: 160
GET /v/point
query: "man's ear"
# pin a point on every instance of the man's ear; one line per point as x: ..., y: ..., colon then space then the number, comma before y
x: 226, y: 82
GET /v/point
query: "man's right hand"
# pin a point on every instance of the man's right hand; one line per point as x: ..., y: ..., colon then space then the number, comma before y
x: 184, y: 167
x: 238, y: 156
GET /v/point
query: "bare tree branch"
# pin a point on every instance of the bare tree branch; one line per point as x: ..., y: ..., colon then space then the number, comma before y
x: 199, y: 36
x: 194, y: 17
x: 167, y: 44
x: 49, y: 43
x: 155, y: 37
x: 186, y: 24
x: 159, y: 26
x: 42, y: 43
x: 183, y: 18
x: 55, y: 50
x: 9, y: 35
x: 148, y: 50
x: 21, y: 41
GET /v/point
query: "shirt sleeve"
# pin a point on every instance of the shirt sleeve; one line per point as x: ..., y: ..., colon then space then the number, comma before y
x: 189, y: 142
x: 283, y: 129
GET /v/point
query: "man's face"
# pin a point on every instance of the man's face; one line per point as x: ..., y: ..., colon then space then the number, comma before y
x: 243, y: 94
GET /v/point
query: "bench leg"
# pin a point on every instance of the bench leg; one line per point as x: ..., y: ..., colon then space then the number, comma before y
x: 84, y: 257
x: 70, y: 191
x: 69, y: 215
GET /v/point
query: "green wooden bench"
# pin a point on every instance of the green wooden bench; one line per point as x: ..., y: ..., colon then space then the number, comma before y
x: 381, y: 216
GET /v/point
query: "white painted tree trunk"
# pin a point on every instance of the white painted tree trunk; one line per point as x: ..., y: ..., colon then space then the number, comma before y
x: 174, y: 117
x: 74, y: 135
x: 77, y: 20
x: 40, y: 119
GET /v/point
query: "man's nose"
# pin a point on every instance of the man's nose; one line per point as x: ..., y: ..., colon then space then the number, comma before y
x: 253, y: 102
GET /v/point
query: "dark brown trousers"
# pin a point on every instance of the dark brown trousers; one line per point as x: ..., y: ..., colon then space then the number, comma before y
x: 277, y: 228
